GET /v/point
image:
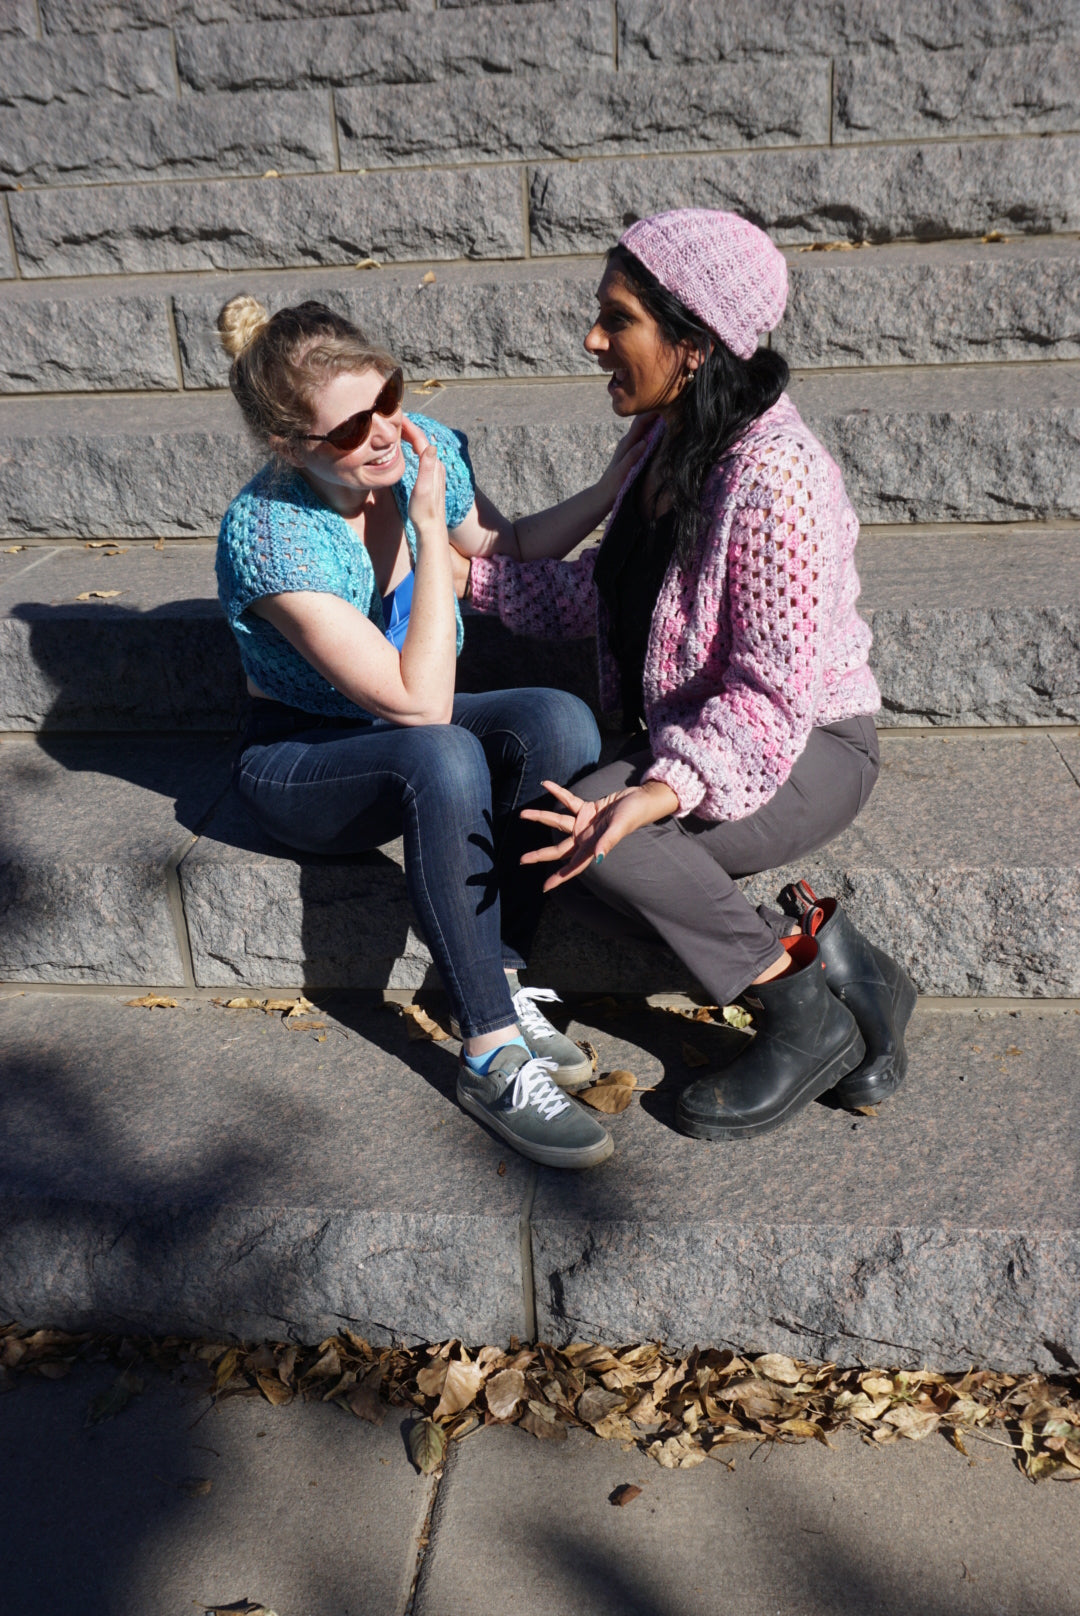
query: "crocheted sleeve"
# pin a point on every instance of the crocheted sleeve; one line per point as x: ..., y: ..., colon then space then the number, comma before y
x: 726, y: 752
x: 269, y: 547
x: 552, y: 600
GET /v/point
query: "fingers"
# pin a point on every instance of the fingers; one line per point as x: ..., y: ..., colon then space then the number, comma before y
x: 547, y: 855
x: 543, y: 816
x: 561, y: 794
x: 413, y: 436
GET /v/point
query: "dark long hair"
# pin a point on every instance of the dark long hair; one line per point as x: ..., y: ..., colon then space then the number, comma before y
x: 714, y: 409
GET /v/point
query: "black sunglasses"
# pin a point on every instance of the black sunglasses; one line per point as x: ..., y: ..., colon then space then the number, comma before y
x: 351, y: 433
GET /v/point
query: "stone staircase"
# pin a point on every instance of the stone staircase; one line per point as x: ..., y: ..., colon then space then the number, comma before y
x: 450, y: 176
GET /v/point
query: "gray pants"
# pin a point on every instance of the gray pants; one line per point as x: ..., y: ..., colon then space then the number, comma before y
x: 675, y: 880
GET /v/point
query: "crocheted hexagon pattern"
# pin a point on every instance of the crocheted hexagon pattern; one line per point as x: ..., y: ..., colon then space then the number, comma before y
x: 278, y: 537
x: 752, y: 646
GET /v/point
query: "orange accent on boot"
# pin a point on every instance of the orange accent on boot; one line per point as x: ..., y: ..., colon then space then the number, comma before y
x: 803, y: 951
x: 813, y: 920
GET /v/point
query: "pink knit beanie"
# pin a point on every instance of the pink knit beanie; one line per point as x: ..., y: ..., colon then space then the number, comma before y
x: 724, y: 269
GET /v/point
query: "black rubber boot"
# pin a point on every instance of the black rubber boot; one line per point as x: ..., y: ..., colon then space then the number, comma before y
x: 805, y: 1042
x: 877, y: 991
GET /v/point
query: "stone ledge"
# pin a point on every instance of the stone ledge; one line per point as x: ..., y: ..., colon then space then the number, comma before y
x: 339, y: 51
x: 945, y: 302
x: 963, y: 864
x: 978, y: 443
x: 838, y: 1237
x: 151, y: 138
x: 205, y: 1171
x: 964, y: 633
x: 924, y: 192
x: 585, y: 114
x: 37, y: 72
x: 692, y: 33
x: 908, y: 94
x: 268, y: 223
x: 92, y: 831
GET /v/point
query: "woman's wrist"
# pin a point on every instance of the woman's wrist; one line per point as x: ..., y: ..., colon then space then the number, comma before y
x: 661, y: 797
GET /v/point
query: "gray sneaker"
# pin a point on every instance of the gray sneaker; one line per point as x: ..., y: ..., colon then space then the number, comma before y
x: 573, y: 1069
x: 516, y: 1098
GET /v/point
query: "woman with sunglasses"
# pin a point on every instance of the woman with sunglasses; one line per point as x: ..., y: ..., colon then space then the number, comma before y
x: 337, y: 577
x: 723, y: 600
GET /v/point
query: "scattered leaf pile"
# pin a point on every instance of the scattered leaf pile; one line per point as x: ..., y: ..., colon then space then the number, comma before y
x: 680, y: 1410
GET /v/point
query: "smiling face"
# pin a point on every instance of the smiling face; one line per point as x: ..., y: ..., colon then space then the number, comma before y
x: 646, y: 372
x: 345, y: 478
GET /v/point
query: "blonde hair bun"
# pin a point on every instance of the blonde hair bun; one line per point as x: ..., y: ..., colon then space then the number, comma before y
x: 240, y: 322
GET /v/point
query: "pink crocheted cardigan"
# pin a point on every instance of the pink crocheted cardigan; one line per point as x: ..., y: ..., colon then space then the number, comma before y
x: 751, y: 648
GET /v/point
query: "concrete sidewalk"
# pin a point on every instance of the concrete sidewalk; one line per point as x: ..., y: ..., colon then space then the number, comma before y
x: 313, y: 1513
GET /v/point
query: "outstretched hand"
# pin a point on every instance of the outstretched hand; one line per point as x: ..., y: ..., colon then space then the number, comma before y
x: 628, y: 452
x: 592, y: 829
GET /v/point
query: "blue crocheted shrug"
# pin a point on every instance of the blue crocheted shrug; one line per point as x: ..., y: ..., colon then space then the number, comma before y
x: 278, y: 536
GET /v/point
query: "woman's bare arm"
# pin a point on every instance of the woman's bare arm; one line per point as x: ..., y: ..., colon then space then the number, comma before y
x: 553, y: 533
x: 415, y: 686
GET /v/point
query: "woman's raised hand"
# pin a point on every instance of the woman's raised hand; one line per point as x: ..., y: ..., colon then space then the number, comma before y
x: 628, y: 452
x: 592, y: 829
x: 427, y: 503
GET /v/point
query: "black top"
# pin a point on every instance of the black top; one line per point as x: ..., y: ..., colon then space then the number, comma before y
x: 629, y: 574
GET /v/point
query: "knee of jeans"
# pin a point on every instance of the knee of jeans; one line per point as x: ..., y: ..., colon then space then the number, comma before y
x: 450, y: 760
x: 566, y: 729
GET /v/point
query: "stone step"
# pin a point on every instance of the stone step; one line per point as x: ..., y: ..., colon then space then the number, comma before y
x: 982, y: 443
x: 923, y: 190
x: 948, y: 302
x: 964, y: 634
x: 698, y: 33
x: 207, y: 1172
x: 312, y: 52
x: 964, y: 865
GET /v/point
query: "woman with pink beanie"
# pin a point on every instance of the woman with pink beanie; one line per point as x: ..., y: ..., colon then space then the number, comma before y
x: 723, y: 602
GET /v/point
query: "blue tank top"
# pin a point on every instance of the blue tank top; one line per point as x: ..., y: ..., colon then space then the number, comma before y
x: 396, y: 608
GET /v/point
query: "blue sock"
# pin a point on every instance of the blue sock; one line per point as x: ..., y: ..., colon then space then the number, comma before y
x: 480, y: 1063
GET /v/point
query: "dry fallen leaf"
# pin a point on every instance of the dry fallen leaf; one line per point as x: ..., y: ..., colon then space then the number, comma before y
x: 625, y: 1494
x: 364, y: 1400
x: 993, y: 235
x: 107, y: 1404
x: 303, y: 1024
x: 504, y: 1392
x: 913, y: 1423
x: 271, y: 174
x: 367, y: 263
x: 785, y: 1371
x: 159, y: 544
x: 611, y: 1093
x: 240, y: 1607
x: 14, y: 549
x: 461, y: 1385
x: 99, y: 594
x: 273, y: 1389
x: 421, y: 1025
x: 195, y: 1486
x: 241, y: 1004
x: 427, y: 1444
x: 736, y: 1016
x: 541, y: 1421
x: 151, y: 1001
x: 428, y: 279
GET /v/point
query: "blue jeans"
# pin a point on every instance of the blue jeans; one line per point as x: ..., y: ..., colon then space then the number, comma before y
x: 454, y: 792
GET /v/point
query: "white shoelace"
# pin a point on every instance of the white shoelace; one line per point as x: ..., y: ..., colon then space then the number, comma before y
x: 533, y: 1086
x: 532, y: 1021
